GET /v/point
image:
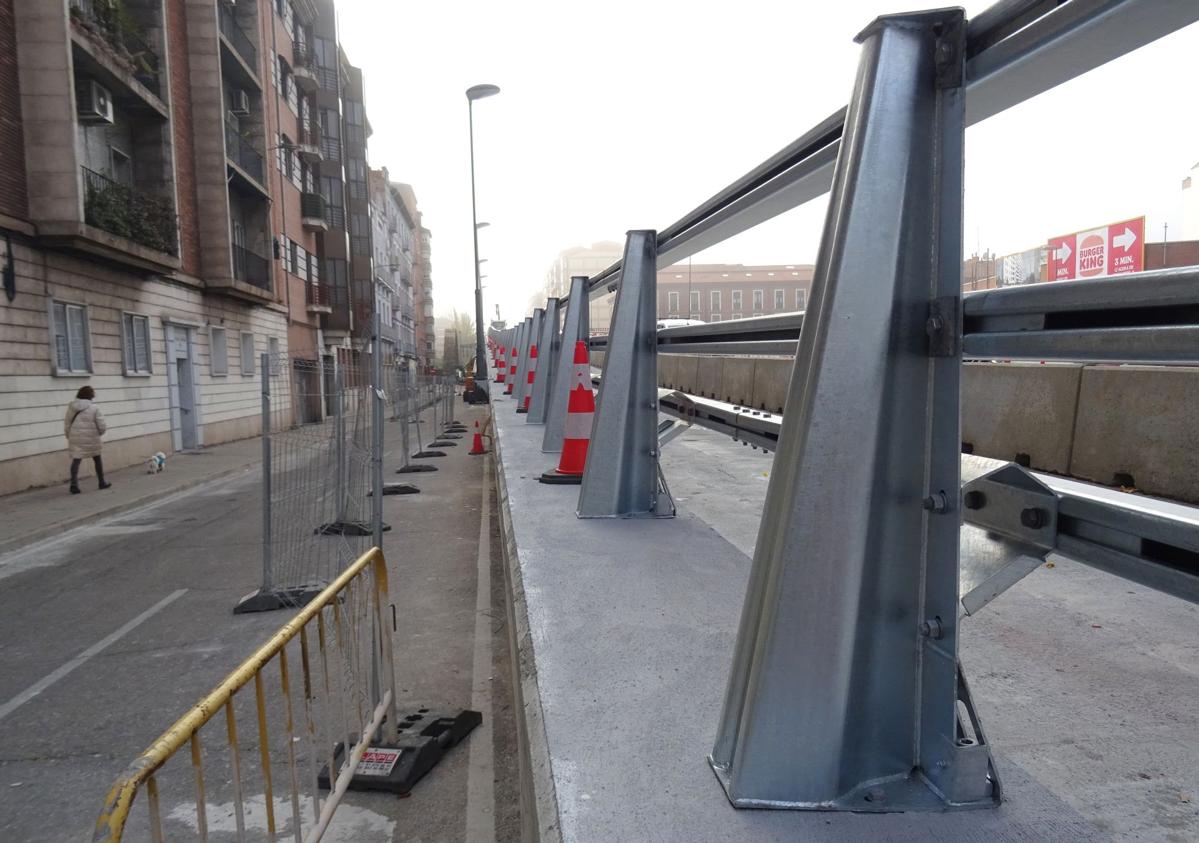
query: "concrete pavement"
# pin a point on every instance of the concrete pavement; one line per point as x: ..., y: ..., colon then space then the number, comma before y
x: 114, y: 628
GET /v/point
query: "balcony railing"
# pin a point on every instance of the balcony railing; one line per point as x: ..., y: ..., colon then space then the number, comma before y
x: 237, y: 36
x: 331, y: 148
x: 123, y: 210
x: 335, y: 215
x: 110, y: 21
x: 319, y: 295
x: 239, y: 150
x: 251, y: 268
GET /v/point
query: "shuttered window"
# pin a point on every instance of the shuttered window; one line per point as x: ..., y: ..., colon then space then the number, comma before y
x: 72, y: 354
x: 135, y: 330
x: 247, y: 354
x: 219, y: 351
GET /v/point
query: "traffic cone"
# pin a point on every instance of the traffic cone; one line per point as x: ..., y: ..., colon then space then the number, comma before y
x: 512, y: 363
x: 476, y: 446
x: 580, y: 409
x: 501, y: 370
x: 524, y: 408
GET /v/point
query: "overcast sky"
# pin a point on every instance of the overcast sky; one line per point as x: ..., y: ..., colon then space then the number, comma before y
x: 617, y: 115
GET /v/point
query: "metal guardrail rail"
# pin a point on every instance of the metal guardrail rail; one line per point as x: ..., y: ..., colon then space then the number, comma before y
x: 1147, y: 317
x: 1015, y: 50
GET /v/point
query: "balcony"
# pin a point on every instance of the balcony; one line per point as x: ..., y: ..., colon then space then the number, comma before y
x: 312, y: 212
x: 250, y: 268
x: 237, y: 38
x: 331, y: 148
x: 319, y: 298
x: 335, y: 216
x: 241, y: 152
x: 125, y: 211
x: 303, y: 68
x: 308, y: 143
x: 112, y: 29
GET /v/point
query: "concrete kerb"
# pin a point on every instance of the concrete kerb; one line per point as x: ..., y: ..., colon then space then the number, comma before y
x: 63, y: 525
x: 538, y: 796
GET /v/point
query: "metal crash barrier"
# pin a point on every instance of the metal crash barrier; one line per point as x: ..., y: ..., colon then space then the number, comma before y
x: 341, y: 644
x: 845, y: 691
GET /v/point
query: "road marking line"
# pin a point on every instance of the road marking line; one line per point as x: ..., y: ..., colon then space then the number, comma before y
x: 480, y: 776
x: 101, y: 645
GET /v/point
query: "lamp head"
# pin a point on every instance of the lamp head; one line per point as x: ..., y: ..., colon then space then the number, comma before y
x: 479, y: 91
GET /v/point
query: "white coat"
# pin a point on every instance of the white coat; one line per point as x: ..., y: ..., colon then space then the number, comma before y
x: 83, y: 426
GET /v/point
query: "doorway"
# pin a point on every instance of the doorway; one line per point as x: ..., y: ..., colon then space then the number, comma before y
x: 181, y: 382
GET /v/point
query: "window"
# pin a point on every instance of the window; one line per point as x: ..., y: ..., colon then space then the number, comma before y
x: 247, y: 353
x: 715, y: 317
x: 72, y: 349
x: 694, y: 303
x: 801, y: 299
x: 272, y: 346
x: 758, y: 300
x: 780, y: 299
x: 714, y: 299
x: 135, y: 331
x: 736, y: 301
x: 736, y: 316
x: 672, y: 303
x: 219, y: 352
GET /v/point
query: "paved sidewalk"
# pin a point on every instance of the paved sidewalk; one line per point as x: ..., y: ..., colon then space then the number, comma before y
x: 38, y: 513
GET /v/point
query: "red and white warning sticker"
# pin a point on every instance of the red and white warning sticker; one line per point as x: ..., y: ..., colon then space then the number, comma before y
x: 378, y: 761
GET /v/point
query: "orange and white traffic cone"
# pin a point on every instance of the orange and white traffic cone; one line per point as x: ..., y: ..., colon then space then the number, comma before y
x: 524, y: 407
x: 512, y: 364
x: 580, y: 410
x: 501, y: 368
x: 476, y: 447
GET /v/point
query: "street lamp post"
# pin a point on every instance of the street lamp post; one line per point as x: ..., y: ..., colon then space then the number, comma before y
x: 480, y: 392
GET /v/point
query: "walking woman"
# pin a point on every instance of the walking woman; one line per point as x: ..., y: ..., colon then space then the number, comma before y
x: 83, y: 426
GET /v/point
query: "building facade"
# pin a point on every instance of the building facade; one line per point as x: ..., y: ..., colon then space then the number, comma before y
x: 183, y: 187
x: 716, y: 292
x: 393, y: 242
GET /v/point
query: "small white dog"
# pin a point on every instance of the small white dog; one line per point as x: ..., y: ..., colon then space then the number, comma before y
x: 156, y: 463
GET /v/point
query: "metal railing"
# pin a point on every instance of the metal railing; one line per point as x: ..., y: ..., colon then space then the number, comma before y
x: 122, y: 209
x: 115, y: 27
x: 317, y: 294
x: 342, y: 709
x: 312, y: 205
x: 331, y: 147
x: 241, y: 152
x: 335, y: 216
x: 237, y: 37
x: 866, y: 505
x: 251, y: 267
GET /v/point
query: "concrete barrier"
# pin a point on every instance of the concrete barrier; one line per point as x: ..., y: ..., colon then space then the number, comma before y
x: 688, y: 372
x: 737, y: 380
x: 708, y: 376
x: 1140, y: 421
x: 772, y: 377
x: 668, y: 371
x: 1011, y: 409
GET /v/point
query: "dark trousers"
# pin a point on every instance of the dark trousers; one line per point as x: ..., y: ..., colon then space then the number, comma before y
x: 75, y: 470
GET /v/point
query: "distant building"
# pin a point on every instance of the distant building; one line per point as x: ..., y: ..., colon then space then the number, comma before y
x: 422, y: 280
x: 718, y: 292
x: 394, y: 236
x: 1190, y: 205
x: 582, y: 260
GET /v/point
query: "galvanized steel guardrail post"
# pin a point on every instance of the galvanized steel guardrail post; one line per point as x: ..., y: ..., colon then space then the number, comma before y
x: 622, y: 478
x: 548, y: 347
x: 575, y: 328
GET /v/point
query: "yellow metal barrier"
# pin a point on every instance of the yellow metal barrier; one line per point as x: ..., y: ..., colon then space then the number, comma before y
x: 343, y: 603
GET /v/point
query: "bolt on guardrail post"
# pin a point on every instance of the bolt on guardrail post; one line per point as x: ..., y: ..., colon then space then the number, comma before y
x: 575, y: 327
x: 622, y: 478
x: 845, y: 691
x: 267, y: 549
x: 548, y: 346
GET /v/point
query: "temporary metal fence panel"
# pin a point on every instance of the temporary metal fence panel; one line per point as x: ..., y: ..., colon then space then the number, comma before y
x: 323, y: 692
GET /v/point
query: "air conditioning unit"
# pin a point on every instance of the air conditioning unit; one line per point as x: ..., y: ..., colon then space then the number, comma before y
x: 241, y: 103
x: 93, y: 103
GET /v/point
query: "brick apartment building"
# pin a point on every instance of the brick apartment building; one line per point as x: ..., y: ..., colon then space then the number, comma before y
x: 183, y: 186
x: 716, y: 292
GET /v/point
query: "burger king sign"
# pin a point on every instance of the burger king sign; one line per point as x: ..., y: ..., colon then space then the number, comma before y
x: 1111, y: 250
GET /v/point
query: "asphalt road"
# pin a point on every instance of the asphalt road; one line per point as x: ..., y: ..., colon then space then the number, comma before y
x: 112, y: 630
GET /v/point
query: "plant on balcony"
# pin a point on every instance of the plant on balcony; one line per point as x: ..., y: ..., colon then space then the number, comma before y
x: 121, y: 35
x: 119, y: 209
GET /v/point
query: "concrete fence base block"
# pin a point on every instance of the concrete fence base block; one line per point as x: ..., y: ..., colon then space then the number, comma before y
x: 772, y: 377
x: 709, y: 373
x: 737, y: 380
